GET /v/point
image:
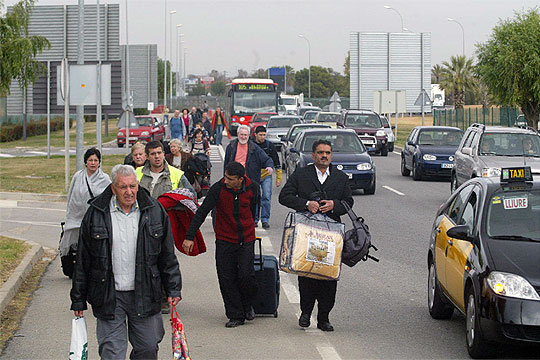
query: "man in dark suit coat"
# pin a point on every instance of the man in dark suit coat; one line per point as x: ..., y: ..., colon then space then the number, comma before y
x: 323, y: 182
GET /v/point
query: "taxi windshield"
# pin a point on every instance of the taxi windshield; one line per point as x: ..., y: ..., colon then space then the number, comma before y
x: 514, y: 215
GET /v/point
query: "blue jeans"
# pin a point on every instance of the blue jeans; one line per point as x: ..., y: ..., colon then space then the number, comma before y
x: 266, y: 199
x: 219, y: 134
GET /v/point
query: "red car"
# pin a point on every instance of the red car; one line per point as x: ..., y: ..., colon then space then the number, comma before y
x: 145, y: 128
x: 260, y: 119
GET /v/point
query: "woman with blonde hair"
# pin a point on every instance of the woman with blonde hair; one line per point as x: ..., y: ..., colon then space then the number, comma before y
x: 138, y: 155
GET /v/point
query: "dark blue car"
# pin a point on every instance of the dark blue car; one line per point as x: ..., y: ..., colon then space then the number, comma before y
x: 429, y: 151
x: 348, y: 154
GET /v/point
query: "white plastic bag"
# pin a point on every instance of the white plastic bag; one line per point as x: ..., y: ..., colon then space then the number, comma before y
x: 78, y: 349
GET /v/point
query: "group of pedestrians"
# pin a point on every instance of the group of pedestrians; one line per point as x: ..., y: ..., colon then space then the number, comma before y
x: 183, y: 125
x: 126, y: 263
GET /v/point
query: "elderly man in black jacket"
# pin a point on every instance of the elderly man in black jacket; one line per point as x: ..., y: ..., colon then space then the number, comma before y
x: 318, y: 187
x: 125, y: 253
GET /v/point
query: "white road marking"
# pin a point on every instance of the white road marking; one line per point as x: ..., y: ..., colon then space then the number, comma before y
x: 221, y: 151
x: 291, y: 292
x: 393, y: 190
x: 6, y: 156
x: 13, y: 204
x: 397, y: 153
x: 37, y: 152
x: 8, y: 203
x: 40, y: 223
x: 328, y: 353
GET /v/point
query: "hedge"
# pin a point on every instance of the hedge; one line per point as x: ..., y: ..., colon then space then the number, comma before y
x: 12, y: 132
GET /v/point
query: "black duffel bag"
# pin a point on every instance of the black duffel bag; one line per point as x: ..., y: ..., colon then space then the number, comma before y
x: 357, y: 241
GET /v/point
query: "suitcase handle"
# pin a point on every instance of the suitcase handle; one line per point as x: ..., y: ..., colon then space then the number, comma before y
x: 260, y: 262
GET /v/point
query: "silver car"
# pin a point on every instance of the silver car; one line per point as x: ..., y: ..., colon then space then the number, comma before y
x: 389, y: 129
x: 484, y: 150
x: 278, y: 126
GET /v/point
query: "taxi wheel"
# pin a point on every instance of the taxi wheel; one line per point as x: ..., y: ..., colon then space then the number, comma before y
x: 437, y: 308
x: 416, y: 175
x: 477, y: 346
x: 404, y: 170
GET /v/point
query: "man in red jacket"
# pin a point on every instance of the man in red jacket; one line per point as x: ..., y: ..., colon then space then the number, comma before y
x: 235, y: 198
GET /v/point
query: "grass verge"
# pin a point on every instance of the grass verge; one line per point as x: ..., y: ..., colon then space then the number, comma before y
x: 12, y: 251
x: 12, y: 315
x: 406, y: 124
x: 57, y: 137
x: 38, y: 174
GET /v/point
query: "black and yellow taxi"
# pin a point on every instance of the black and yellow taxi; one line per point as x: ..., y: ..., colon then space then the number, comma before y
x: 484, y: 260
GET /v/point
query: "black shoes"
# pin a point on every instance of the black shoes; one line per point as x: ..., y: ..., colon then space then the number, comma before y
x: 325, y: 326
x: 232, y: 323
x: 304, y: 320
x: 250, y: 314
x: 265, y: 225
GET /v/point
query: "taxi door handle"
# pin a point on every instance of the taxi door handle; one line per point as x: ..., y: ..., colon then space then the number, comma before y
x: 450, y: 242
x: 438, y: 230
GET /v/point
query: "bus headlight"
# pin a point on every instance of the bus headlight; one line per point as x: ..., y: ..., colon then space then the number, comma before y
x: 511, y: 285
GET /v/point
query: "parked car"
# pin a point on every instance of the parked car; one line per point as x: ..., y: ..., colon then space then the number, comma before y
x: 327, y: 117
x: 370, y: 129
x: 483, y: 260
x: 145, y: 128
x: 291, y: 112
x: 302, y: 109
x: 278, y: 126
x: 309, y: 116
x: 484, y: 150
x: 389, y: 129
x: 281, y: 109
x: 429, y: 151
x: 291, y: 135
x: 348, y: 154
x: 260, y: 119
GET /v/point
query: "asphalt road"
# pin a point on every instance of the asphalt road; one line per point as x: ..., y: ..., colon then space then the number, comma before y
x: 380, y: 312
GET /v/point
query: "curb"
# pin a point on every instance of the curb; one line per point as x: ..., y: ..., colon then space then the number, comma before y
x: 12, y: 285
x: 32, y: 196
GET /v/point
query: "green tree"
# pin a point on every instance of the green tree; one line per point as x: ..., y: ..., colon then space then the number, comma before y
x: 197, y: 90
x: 457, y: 77
x: 218, y: 88
x: 260, y: 74
x: 436, y: 73
x: 160, y: 80
x: 509, y: 63
x: 18, y: 50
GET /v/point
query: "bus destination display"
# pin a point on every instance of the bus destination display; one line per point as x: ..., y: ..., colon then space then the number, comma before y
x: 254, y: 87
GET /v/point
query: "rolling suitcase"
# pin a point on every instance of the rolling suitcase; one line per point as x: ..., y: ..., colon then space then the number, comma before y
x: 266, y: 272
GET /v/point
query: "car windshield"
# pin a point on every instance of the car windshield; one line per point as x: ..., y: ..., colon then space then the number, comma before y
x: 329, y: 118
x: 263, y: 118
x: 514, y: 214
x: 144, y: 120
x: 297, y: 130
x: 282, y: 122
x: 440, y: 137
x: 341, y: 143
x: 286, y: 101
x: 510, y: 144
x: 304, y: 110
x: 363, y: 120
x: 310, y: 115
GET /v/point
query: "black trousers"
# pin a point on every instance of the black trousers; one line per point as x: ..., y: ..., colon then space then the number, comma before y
x: 236, y: 275
x: 324, y: 291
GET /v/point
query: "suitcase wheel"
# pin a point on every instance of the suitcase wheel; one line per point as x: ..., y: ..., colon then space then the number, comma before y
x: 275, y: 314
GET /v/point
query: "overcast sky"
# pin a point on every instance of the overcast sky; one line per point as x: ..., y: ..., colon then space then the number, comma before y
x: 250, y: 34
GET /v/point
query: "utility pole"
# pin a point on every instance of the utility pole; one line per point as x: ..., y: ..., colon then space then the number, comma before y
x: 98, y: 72
x: 79, y: 140
x: 128, y: 84
x: 165, y: 61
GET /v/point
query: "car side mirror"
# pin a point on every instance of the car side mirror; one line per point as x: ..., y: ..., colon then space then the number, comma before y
x: 339, y: 125
x: 467, y: 151
x: 293, y: 150
x: 460, y: 232
x: 229, y: 94
x: 393, y: 127
x: 410, y: 143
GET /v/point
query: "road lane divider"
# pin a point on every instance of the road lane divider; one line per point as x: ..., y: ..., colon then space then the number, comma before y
x: 397, y: 153
x: 393, y: 190
x: 328, y: 353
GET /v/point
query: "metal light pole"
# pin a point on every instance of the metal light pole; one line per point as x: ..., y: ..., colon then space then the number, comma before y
x: 128, y: 84
x: 79, y: 139
x: 462, y: 31
x: 309, y: 62
x: 165, y: 61
x: 171, y: 13
x: 184, y: 69
x: 98, y: 72
x: 178, y: 26
x: 400, y: 17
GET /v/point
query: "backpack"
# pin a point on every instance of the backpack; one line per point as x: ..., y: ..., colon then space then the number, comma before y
x: 357, y: 242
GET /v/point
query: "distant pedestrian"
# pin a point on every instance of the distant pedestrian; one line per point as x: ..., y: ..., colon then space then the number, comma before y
x: 266, y: 177
x: 218, y: 123
x: 178, y: 127
x: 85, y: 184
x: 247, y: 153
x: 196, y: 114
x: 205, y: 107
x: 126, y: 253
x: 207, y: 125
x: 234, y: 199
x: 188, y: 122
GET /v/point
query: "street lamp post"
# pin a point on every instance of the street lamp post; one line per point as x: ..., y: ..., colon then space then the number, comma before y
x: 170, y: 45
x: 462, y: 32
x: 178, y: 36
x: 400, y: 17
x: 184, y: 69
x: 165, y: 61
x: 309, y: 64
x: 128, y: 83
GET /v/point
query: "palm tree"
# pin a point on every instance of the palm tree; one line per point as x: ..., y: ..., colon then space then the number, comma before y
x: 436, y: 74
x: 457, y: 76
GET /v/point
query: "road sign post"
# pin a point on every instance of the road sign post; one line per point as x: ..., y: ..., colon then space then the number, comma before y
x: 64, y: 89
x: 421, y: 100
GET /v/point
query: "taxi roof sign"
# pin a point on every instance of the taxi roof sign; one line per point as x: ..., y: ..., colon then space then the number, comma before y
x: 516, y: 174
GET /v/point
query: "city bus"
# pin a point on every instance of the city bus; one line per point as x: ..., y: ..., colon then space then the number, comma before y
x: 246, y: 97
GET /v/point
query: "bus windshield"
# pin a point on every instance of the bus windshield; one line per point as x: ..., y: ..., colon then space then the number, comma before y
x: 247, y: 103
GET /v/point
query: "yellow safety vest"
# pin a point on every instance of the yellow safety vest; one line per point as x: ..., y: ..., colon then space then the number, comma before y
x: 174, y: 173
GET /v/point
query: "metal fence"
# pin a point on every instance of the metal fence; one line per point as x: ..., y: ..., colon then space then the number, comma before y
x: 463, y: 118
x: 322, y: 102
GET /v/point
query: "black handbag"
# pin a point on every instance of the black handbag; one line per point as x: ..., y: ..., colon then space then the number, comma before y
x: 68, y: 261
x: 357, y: 240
